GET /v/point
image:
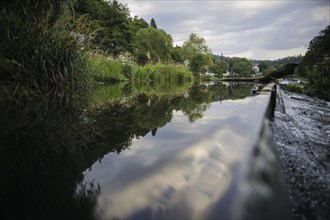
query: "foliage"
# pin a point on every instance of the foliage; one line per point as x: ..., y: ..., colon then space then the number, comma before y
x: 243, y: 68
x: 295, y: 88
x: 263, y: 65
x: 315, y: 64
x: 319, y: 80
x: 154, y: 43
x: 219, y: 67
x: 111, y: 21
x: 177, y: 55
x: 153, y: 23
x: 102, y: 69
x: 197, y: 53
x: 195, y: 45
x: 39, y: 56
x: 198, y: 63
x: 162, y: 73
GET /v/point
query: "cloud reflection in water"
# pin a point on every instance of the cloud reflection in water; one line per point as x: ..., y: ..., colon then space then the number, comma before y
x: 184, y: 170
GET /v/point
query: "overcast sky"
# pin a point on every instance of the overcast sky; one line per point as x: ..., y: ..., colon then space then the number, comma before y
x: 261, y: 29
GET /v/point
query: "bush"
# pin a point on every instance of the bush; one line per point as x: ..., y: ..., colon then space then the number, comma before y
x: 295, y: 88
x: 319, y: 80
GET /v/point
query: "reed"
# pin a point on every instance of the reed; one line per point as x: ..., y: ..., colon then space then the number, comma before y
x: 103, y: 69
x: 162, y: 73
x: 43, y: 72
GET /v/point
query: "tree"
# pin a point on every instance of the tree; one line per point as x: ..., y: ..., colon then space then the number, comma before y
x: 195, y: 50
x: 219, y: 67
x: 196, y: 64
x: 263, y: 66
x: 138, y: 23
x: 243, y: 68
x: 195, y: 45
x: 153, y: 23
x: 176, y: 54
x: 156, y: 44
x: 316, y: 64
x: 111, y: 24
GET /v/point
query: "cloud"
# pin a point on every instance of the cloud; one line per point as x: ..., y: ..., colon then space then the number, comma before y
x: 250, y: 28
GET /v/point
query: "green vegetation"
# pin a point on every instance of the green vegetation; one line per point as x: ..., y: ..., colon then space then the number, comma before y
x: 197, y: 53
x: 219, y: 68
x: 295, y: 88
x: 153, y: 44
x: 243, y: 68
x: 42, y: 68
x: 316, y: 65
x: 105, y: 70
x: 161, y: 73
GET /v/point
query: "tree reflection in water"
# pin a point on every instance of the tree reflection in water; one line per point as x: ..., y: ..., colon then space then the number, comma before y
x: 46, y: 146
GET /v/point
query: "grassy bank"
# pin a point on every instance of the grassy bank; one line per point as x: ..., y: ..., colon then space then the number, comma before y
x: 105, y: 69
x: 161, y: 73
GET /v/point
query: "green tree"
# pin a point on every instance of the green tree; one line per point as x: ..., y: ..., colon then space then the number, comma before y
x: 195, y: 45
x: 263, y: 66
x: 111, y: 21
x: 176, y: 55
x: 156, y: 44
x: 243, y: 68
x: 219, y: 67
x: 316, y: 64
x: 196, y: 63
x: 138, y: 23
x: 232, y: 61
x: 195, y: 50
x: 153, y: 23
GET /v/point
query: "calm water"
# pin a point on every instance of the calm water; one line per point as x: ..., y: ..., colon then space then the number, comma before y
x: 186, y: 168
x: 147, y: 154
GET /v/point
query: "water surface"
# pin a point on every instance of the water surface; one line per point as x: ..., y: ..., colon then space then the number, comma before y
x: 187, y: 168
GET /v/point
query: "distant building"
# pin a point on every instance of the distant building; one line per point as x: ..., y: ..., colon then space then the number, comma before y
x: 226, y: 73
x: 255, y: 68
x: 208, y: 74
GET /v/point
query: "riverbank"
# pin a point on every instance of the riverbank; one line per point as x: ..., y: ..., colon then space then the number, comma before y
x: 107, y: 69
x: 302, y: 132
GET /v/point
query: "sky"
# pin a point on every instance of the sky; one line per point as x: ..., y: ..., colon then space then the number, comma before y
x: 261, y: 29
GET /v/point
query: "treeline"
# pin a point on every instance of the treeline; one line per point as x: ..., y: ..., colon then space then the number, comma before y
x: 282, y: 61
x: 115, y: 33
x: 243, y: 67
x: 316, y: 65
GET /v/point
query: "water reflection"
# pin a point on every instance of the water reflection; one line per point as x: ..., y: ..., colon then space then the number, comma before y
x: 185, y: 170
x: 170, y: 151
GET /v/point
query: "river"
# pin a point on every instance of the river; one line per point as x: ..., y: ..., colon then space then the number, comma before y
x: 135, y: 152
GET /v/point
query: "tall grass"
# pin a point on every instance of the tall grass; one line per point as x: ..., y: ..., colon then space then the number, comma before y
x: 42, y: 58
x: 102, y: 69
x: 43, y: 72
x: 161, y: 73
x: 105, y: 69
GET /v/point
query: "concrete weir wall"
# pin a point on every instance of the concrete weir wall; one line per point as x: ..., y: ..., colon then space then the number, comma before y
x: 262, y: 190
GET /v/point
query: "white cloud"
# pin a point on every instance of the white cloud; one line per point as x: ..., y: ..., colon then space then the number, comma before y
x: 235, y: 28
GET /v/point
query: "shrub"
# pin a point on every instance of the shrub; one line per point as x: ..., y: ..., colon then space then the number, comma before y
x: 295, y: 88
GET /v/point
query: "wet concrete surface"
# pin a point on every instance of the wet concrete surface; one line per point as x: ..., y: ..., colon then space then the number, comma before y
x: 301, y: 127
